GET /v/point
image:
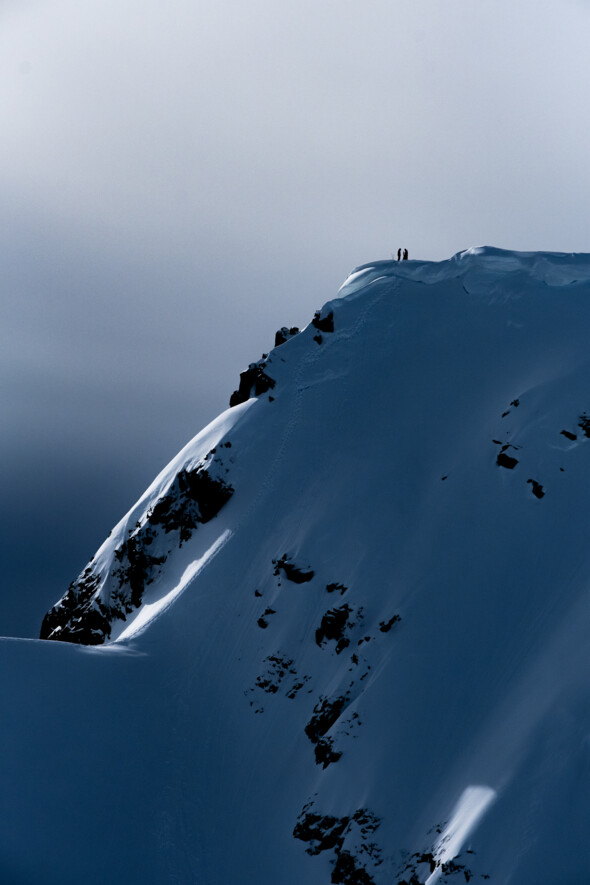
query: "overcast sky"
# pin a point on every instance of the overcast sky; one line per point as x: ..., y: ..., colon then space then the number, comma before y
x: 179, y: 179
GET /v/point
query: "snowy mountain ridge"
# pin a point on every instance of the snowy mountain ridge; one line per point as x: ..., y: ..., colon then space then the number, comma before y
x: 192, y: 490
x: 346, y: 632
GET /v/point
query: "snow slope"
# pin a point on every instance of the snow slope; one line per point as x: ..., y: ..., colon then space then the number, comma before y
x: 369, y: 663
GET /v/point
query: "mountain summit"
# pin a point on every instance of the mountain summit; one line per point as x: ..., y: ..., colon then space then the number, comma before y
x: 344, y: 636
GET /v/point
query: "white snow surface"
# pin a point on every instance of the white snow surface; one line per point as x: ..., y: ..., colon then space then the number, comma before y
x: 188, y: 457
x: 468, y: 812
x: 177, y: 753
x: 151, y: 610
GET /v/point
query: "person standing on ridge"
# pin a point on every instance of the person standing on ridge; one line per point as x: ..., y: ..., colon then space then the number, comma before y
x: 405, y: 254
x: 399, y: 254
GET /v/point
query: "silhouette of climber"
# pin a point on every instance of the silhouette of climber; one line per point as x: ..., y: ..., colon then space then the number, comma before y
x: 399, y: 254
x: 405, y: 254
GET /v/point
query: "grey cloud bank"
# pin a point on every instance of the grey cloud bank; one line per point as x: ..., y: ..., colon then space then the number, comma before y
x: 179, y: 180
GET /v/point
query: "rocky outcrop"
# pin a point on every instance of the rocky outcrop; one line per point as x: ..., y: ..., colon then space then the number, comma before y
x: 507, y: 461
x: 323, y: 323
x: 385, y: 626
x: 78, y: 616
x: 253, y: 382
x: 292, y: 572
x: 98, y: 597
x: 284, y: 333
x: 334, y: 627
x: 325, y: 714
x: 538, y: 490
x: 278, y: 676
x: 423, y: 864
x: 349, y: 840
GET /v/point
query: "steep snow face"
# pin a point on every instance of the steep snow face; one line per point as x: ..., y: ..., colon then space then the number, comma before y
x: 366, y: 666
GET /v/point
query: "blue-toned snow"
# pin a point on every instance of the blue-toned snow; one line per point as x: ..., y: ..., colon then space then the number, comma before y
x: 155, y: 759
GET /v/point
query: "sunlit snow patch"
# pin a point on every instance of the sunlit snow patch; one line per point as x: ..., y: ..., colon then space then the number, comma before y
x: 356, y: 280
x: 467, y: 814
x: 151, y: 610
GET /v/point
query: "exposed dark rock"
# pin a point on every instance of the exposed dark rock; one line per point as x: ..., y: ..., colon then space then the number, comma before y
x: 291, y: 571
x: 569, y: 435
x: 584, y: 424
x: 280, y: 674
x: 538, y: 490
x: 194, y: 497
x: 326, y: 713
x: 262, y: 622
x: 324, y: 324
x: 332, y: 588
x: 253, y: 380
x: 347, y: 838
x: 325, y: 754
x: 504, y: 460
x: 318, y: 338
x: 278, y: 669
x: 79, y: 594
x: 323, y: 832
x: 284, y: 333
x: 296, y: 688
x: 451, y: 866
x: 515, y: 403
x: 385, y: 626
x: 348, y: 871
x: 89, y: 626
x: 136, y: 567
x: 352, y: 723
x: 423, y: 864
x: 426, y: 857
x: 78, y: 617
x: 334, y: 626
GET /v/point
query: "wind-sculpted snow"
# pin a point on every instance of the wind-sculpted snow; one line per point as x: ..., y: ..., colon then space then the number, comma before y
x: 351, y: 646
x: 489, y: 270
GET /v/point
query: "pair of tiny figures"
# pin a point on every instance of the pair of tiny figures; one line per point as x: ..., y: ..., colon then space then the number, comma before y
x: 399, y: 254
